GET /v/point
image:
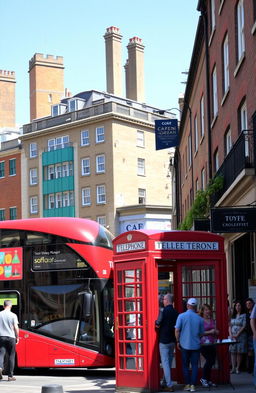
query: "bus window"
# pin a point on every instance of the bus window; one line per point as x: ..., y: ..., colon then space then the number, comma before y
x: 9, y: 238
x: 38, y: 238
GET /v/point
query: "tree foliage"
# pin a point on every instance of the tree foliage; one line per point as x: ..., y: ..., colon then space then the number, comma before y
x: 202, y: 203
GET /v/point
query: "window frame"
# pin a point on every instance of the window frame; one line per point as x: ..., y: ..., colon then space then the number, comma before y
x: 33, y: 178
x: 100, y: 136
x: 215, y: 107
x: 2, y: 169
x: 140, y: 139
x: 99, y: 195
x: 12, y: 167
x: 240, y: 42
x: 31, y: 150
x: 86, y: 195
x: 83, y: 139
x: 83, y: 167
x: 32, y: 205
x: 141, y: 166
x: 141, y: 196
x: 100, y: 164
x: 225, y: 61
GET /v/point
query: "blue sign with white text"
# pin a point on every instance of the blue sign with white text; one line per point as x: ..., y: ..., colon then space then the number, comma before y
x: 166, y: 132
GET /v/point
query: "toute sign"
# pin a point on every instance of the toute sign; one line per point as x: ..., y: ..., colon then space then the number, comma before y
x: 233, y: 219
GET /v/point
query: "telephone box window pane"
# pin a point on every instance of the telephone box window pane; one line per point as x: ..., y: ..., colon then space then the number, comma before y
x: 139, y: 334
x: 130, y: 319
x: 120, y: 305
x: 130, y: 363
x: 140, y: 349
x: 130, y: 305
x: 120, y: 320
x: 120, y: 294
x: 139, y: 290
x: 130, y: 291
x: 119, y: 276
x: 129, y: 276
x: 139, y: 305
x: 139, y: 275
x: 121, y: 360
x: 121, y: 334
x: 140, y: 364
x: 140, y: 320
x: 121, y: 348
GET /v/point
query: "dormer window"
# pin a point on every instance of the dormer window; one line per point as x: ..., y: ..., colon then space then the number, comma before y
x: 75, y: 104
x: 58, y: 109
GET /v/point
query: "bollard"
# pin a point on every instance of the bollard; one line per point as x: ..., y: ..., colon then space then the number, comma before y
x: 52, y: 389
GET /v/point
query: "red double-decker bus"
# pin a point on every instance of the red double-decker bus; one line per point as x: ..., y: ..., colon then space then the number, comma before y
x: 58, y: 274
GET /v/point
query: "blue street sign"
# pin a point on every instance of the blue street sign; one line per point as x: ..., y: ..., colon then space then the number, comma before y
x: 166, y: 132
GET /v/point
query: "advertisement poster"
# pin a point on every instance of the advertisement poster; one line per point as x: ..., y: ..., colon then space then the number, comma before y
x: 10, y: 264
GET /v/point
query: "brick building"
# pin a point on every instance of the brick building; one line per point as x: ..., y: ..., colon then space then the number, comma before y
x: 218, y: 127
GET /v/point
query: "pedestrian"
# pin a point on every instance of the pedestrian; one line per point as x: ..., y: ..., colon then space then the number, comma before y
x: 249, y: 303
x: 237, y: 332
x: 188, y: 331
x: 208, y: 349
x: 165, y: 323
x: 9, y: 337
x: 253, y: 326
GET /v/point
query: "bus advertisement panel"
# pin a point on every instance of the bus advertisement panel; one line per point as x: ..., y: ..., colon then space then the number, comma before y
x: 11, y: 264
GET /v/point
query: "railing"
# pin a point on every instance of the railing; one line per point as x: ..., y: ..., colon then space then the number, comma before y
x: 240, y: 157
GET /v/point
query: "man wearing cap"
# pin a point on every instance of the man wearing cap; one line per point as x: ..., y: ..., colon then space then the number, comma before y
x: 188, y: 330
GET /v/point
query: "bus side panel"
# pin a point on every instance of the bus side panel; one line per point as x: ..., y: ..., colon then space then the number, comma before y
x: 35, y: 350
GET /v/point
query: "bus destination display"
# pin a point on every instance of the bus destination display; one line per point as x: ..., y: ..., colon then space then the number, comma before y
x: 11, y: 263
x: 57, y: 257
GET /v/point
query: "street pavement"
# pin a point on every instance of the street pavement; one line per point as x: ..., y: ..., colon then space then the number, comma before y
x: 92, y: 381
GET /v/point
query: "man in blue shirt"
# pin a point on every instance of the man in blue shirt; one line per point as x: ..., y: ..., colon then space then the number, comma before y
x: 188, y: 330
x: 166, y: 322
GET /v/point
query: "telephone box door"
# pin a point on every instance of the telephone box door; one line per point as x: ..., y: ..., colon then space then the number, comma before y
x: 130, y: 323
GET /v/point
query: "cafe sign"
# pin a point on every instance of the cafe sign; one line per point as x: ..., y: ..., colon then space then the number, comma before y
x: 233, y: 219
x: 166, y: 133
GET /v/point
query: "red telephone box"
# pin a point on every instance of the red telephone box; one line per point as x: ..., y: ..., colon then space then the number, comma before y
x: 146, y: 263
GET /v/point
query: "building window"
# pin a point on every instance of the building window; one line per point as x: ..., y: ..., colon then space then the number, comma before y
x: 2, y: 214
x: 140, y: 139
x: 240, y: 29
x: 58, y: 143
x: 227, y: 141
x: 102, y: 220
x: 142, y: 196
x: 100, y: 135
x: 85, y: 138
x: 51, y: 202
x: 225, y: 55
x: 100, y: 163
x: 242, y: 120
x: 50, y: 172
x: 2, y: 169
x: 34, y: 205
x: 195, y: 134
x: 189, y: 153
x: 216, y: 163
x: 12, y: 167
x: 58, y: 200
x: 197, y: 185
x: 33, y: 152
x: 203, y: 179
x: 65, y: 199
x: 65, y: 170
x: 213, y: 19
x: 202, y: 117
x: 13, y: 213
x: 33, y: 176
x: 58, y: 171
x: 101, y: 194
x: 214, y: 93
x: 50, y: 98
x: 85, y: 166
x: 86, y: 196
x: 141, y: 166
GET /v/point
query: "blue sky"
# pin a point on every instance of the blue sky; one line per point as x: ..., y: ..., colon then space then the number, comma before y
x: 75, y: 29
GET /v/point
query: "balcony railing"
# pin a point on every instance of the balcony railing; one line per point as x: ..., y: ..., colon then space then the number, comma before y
x: 240, y: 157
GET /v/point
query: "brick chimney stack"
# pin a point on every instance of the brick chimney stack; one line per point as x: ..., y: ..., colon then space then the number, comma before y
x: 7, y: 98
x: 46, y: 84
x: 113, y: 60
x: 135, y: 70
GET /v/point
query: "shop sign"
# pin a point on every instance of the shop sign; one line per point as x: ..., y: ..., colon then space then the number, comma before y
x: 187, y: 246
x: 166, y: 133
x: 233, y: 219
